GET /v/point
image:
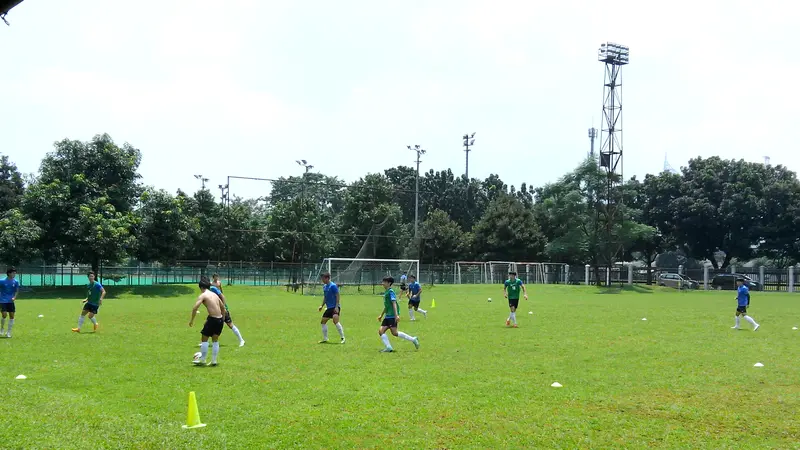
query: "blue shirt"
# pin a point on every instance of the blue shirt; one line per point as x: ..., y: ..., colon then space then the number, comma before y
x: 743, y: 295
x: 414, y: 288
x: 329, y: 291
x: 8, y: 289
x: 403, y: 278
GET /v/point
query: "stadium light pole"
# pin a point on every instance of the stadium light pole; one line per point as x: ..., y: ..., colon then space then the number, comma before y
x: 420, y: 151
x: 202, y: 180
x: 223, y: 190
x: 305, y: 164
x: 469, y: 141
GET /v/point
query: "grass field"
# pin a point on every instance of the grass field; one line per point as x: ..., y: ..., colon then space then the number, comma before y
x: 681, y: 379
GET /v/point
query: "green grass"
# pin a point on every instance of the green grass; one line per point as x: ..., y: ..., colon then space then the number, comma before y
x: 681, y: 379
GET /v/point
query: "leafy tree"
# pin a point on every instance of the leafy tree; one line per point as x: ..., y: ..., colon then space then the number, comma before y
x: 508, y: 232
x: 780, y: 217
x: 19, y: 237
x: 326, y: 191
x: 371, y: 220
x: 79, y: 184
x: 207, y: 232
x: 403, y: 180
x: 11, y: 184
x: 163, y: 227
x: 718, y: 208
x: 443, y: 240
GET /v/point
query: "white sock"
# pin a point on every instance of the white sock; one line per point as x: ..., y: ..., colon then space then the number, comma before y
x: 94, y: 320
x: 385, y: 339
x: 325, y: 331
x: 10, y: 324
x: 422, y: 311
x: 411, y: 313
x: 340, y: 329
x: 80, y: 321
x: 747, y: 318
x: 514, y: 317
x: 2, y: 323
x: 737, y: 322
x: 237, y: 333
x: 203, y: 351
x: 402, y: 335
x: 214, y: 352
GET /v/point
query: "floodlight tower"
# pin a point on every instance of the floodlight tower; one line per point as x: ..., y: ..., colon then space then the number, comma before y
x: 420, y: 151
x: 469, y: 141
x: 202, y: 181
x: 306, y: 165
x: 614, y: 56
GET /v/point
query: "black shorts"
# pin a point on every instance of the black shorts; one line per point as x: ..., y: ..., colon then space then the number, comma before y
x: 513, y: 302
x: 414, y: 303
x: 228, y: 317
x: 90, y: 307
x: 8, y: 307
x: 328, y: 314
x: 741, y: 310
x: 213, y: 326
x: 403, y: 287
x: 390, y: 322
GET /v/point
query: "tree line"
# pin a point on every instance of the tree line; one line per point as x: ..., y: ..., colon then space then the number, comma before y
x: 87, y: 205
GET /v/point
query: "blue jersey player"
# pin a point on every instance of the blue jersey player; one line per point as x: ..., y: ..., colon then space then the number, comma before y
x: 332, y: 303
x: 413, y: 294
x: 9, y: 288
x: 216, y: 287
x: 742, y: 302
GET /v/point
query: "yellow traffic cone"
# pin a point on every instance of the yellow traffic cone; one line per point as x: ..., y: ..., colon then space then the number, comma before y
x: 193, y: 417
x: 433, y: 303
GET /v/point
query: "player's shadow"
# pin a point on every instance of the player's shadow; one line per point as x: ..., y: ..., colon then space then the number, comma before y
x: 73, y: 292
x: 618, y: 289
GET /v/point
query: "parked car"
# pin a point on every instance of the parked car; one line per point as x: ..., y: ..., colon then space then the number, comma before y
x: 677, y: 281
x: 727, y: 282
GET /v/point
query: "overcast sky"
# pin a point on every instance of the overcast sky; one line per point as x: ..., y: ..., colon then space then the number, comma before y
x: 246, y: 87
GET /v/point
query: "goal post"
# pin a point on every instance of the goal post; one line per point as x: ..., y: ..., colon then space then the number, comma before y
x: 471, y: 272
x: 529, y: 272
x: 363, y: 275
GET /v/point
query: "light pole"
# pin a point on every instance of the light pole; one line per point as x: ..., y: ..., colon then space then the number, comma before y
x: 469, y: 141
x: 420, y: 151
x: 223, y: 190
x: 303, y: 163
x: 202, y: 180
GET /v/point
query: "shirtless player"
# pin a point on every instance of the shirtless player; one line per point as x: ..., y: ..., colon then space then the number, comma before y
x: 214, y: 322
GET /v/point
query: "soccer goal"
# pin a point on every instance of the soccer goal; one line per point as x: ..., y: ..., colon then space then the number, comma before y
x: 528, y: 272
x: 363, y: 276
x: 471, y: 272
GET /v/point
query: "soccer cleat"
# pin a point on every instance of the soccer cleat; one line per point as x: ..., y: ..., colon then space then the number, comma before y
x: 416, y: 343
x: 342, y: 342
x: 516, y: 326
x: 211, y: 364
x: 241, y: 343
x: 734, y: 328
x: 754, y: 329
x: 8, y: 335
x: 76, y: 330
x: 508, y: 322
x: 324, y: 341
x: 425, y: 314
x: 413, y: 320
x: 198, y: 363
x: 95, y: 326
x: 387, y: 350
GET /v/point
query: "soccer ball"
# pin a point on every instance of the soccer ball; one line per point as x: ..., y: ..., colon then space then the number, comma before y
x: 490, y: 299
x: 197, y: 357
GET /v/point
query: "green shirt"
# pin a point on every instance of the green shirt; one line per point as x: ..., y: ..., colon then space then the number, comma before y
x: 95, y: 289
x: 389, y: 299
x: 513, y: 288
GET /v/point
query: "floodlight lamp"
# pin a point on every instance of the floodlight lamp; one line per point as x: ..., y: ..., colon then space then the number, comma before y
x: 613, y: 53
x: 472, y: 142
x: 466, y: 136
x: 473, y: 135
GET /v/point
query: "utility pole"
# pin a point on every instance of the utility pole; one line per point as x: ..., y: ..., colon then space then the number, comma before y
x: 469, y: 141
x: 420, y: 151
x: 307, y: 166
x: 202, y: 180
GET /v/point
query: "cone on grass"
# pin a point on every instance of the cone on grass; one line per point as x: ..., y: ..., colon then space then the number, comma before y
x: 193, y: 416
x: 433, y: 303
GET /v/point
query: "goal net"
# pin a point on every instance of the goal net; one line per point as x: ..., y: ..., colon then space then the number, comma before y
x: 471, y: 272
x: 363, y: 276
x: 528, y: 272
